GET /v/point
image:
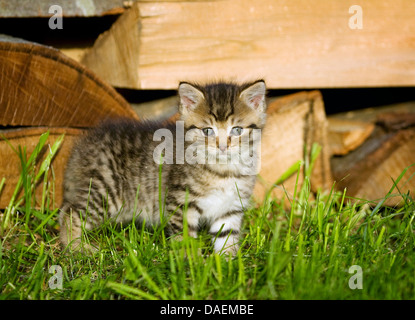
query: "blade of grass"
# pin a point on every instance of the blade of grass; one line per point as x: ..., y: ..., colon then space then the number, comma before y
x: 45, y: 220
x: 132, y: 293
x: 293, y: 207
x: 133, y: 258
x: 2, y: 184
x: 24, y: 176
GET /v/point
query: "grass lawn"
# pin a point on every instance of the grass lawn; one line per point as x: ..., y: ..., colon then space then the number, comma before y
x: 303, y: 253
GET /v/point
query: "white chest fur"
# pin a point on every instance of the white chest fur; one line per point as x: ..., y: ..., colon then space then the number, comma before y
x: 222, y: 199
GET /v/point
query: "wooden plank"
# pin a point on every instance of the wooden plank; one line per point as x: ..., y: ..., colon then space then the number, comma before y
x: 291, y: 44
x: 42, y: 87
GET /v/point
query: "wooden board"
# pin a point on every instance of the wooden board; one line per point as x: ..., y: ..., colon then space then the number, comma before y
x: 42, y: 87
x: 291, y: 44
x: 29, y: 137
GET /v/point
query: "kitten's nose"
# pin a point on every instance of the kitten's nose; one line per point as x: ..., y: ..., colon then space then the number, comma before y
x: 223, y: 148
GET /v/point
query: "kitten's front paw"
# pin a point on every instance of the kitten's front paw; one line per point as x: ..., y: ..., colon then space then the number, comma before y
x: 227, y: 245
x: 231, y: 250
x: 178, y: 238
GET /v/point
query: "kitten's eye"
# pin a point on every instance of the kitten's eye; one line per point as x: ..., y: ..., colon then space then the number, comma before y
x: 236, y: 131
x: 208, y: 132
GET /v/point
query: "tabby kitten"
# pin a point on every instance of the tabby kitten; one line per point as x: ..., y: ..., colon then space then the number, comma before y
x: 118, y: 158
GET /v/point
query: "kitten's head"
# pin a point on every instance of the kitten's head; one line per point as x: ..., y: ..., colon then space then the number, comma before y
x: 223, y: 115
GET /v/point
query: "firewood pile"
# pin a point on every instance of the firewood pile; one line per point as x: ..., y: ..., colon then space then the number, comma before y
x: 152, y: 45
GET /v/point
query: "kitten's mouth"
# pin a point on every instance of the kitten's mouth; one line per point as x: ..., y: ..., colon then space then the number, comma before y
x: 223, y: 155
x: 229, y: 156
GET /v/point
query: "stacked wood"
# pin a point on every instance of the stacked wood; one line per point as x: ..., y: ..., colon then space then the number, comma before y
x: 291, y: 44
x: 58, y: 25
x: 154, y: 45
x: 42, y: 89
x: 369, y: 171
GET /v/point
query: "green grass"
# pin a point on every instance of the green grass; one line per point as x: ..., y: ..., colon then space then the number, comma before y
x: 302, y: 253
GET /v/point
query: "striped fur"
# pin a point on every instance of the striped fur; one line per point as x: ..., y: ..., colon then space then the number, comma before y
x: 115, y: 160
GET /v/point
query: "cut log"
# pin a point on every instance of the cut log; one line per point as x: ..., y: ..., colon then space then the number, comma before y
x: 393, y: 121
x: 29, y: 137
x: 294, y: 123
x: 346, y: 135
x: 42, y: 87
x: 368, y: 172
x: 291, y: 44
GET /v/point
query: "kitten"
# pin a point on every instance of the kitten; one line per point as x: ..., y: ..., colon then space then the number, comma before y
x: 211, y: 174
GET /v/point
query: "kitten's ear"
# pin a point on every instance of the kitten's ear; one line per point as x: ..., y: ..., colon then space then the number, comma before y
x: 254, y: 96
x: 190, y: 97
